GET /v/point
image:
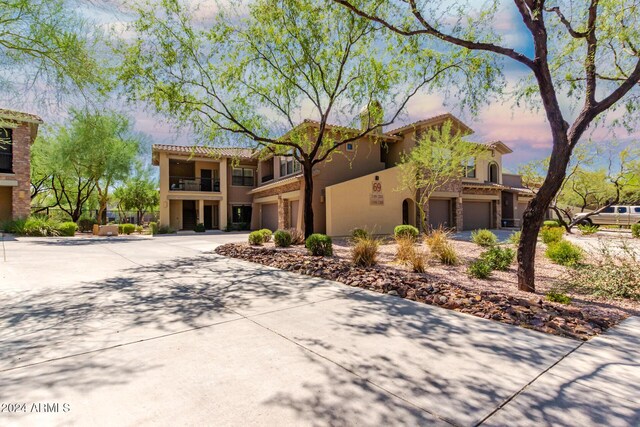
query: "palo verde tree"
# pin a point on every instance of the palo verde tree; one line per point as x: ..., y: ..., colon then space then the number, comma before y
x: 584, y: 51
x: 46, y: 45
x: 255, y: 72
x: 139, y: 193
x: 88, y: 154
x: 440, y: 158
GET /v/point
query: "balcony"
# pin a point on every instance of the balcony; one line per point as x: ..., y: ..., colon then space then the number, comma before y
x: 6, y: 163
x: 191, y: 183
x: 267, y: 178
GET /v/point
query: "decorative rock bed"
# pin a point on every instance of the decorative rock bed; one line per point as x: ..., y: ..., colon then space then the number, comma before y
x: 544, y: 316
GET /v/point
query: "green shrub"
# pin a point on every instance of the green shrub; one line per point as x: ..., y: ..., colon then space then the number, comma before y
x: 635, y: 230
x: 139, y: 229
x: 256, y: 238
x: 153, y: 227
x: 85, y: 225
x: 554, y: 296
x: 165, y: 229
x: 587, y: 229
x: 282, y: 238
x: 551, y: 234
x: 127, y: 228
x: 68, y: 228
x: 199, y: 228
x: 16, y: 226
x: 297, y: 236
x: 480, y: 269
x: 551, y: 223
x: 514, y: 238
x: 319, y: 245
x: 359, y: 233
x: 406, y: 231
x: 484, y: 238
x: 499, y: 258
x: 41, y: 226
x: 364, y: 252
x: 266, y: 234
x: 564, y: 253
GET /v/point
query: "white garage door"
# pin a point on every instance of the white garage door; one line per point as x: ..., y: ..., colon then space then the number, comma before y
x: 476, y: 215
x: 270, y: 216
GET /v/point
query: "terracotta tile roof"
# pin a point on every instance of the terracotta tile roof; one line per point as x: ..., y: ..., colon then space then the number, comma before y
x: 434, y: 119
x: 343, y: 128
x: 199, y: 150
x: 19, y: 116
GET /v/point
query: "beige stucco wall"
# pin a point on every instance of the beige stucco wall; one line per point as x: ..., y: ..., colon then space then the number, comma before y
x: 175, y: 218
x: 349, y: 205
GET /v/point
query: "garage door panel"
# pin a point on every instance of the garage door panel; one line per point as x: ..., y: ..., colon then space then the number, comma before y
x: 476, y: 215
x: 295, y: 209
x: 439, y: 213
x: 270, y: 216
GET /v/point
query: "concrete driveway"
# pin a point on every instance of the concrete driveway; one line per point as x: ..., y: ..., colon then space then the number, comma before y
x: 159, y: 331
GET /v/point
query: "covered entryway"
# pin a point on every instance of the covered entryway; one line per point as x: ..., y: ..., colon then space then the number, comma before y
x: 270, y: 216
x: 439, y: 213
x: 476, y: 215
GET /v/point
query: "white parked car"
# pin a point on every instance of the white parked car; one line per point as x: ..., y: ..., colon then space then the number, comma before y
x: 613, y: 215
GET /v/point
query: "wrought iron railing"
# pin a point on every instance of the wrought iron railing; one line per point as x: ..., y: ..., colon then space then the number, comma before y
x: 191, y: 183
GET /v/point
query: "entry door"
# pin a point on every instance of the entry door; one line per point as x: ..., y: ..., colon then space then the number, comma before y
x: 188, y: 214
x: 208, y: 217
x: 205, y: 180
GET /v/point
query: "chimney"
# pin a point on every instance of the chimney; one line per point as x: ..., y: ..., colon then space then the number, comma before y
x: 372, y: 115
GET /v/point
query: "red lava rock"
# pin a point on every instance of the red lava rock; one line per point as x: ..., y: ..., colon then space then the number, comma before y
x: 537, y: 314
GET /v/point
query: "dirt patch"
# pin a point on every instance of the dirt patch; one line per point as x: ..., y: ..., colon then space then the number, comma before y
x: 448, y: 286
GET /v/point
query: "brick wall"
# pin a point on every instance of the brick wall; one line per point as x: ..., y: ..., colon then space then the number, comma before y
x: 21, y: 202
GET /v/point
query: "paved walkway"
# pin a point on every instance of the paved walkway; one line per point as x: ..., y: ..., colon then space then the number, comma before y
x: 144, y: 331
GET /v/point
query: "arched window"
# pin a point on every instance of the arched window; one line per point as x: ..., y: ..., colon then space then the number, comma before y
x: 493, y: 172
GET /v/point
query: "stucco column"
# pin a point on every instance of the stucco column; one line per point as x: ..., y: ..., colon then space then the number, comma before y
x: 165, y: 212
x: 224, y: 190
x: 200, y: 211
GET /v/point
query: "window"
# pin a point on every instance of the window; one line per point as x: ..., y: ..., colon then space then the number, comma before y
x: 622, y: 210
x: 493, y: 172
x: 288, y: 165
x: 6, y: 150
x: 241, y: 214
x: 242, y: 177
x: 607, y: 210
x: 636, y: 210
x: 349, y: 146
x: 470, y: 168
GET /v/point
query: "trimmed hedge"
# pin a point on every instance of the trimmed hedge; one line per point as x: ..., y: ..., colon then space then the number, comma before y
x: 319, y: 245
x: 282, y: 238
x: 564, y: 253
x: 484, y: 238
x: 126, y: 228
x: 406, y: 231
x: 256, y: 238
x: 68, y: 228
x: 266, y: 234
x: 551, y: 234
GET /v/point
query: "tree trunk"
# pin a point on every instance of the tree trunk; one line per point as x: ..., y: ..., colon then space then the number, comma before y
x: 308, y: 199
x: 534, y: 215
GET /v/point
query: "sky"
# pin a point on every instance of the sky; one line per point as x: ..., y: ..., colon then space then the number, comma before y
x: 524, y: 130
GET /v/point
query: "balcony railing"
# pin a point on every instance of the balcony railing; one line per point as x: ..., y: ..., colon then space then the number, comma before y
x: 6, y: 162
x: 266, y: 178
x: 190, y: 183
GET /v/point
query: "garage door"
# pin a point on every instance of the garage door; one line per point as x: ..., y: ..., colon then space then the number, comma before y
x: 270, y: 216
x: 439, y: 213
x: 476, y: 215
x: 293, y: 218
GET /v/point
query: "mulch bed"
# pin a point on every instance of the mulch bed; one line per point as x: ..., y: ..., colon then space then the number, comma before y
x: 553, y: 318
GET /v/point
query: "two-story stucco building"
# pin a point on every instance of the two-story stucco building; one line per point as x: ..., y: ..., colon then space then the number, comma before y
x: 17, y: 133
x: 358, y: 187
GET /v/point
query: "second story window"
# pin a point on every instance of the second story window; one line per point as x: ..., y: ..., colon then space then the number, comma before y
x: 470, y: 169
x: 288, y: 166
x: 6, y: 150
x: 242, y: 177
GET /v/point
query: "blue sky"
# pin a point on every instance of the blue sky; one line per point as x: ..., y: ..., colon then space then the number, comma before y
x: 524, y: 130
